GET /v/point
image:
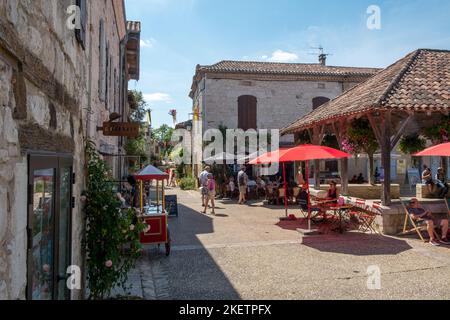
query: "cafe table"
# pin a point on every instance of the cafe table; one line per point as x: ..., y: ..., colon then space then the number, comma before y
x: 340, y: 211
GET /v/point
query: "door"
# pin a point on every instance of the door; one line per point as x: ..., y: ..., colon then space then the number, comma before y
x: 49, y: 225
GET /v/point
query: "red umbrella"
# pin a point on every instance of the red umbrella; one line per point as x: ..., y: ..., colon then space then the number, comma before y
x: 441, y: 150
x: 300, y: 153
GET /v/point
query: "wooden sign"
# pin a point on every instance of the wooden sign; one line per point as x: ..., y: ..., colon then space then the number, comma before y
x: 121, y: 129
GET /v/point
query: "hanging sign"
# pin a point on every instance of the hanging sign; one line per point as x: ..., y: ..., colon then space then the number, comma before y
x: 120, y: 129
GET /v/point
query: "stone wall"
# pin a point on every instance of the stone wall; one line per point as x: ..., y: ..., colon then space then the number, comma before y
x: 45, y: 89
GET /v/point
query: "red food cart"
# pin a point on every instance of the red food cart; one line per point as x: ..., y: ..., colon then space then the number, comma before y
x: 154, y: 216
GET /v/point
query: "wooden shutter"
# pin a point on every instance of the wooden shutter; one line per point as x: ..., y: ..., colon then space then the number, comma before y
x: 247, y: 112
x: 102, y: 62
x: 80, y: 34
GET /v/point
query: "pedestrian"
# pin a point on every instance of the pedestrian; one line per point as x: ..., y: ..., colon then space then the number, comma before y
x: 427, y: 178
x: 211, y: 196
x: 243, y: 184
x: 441, y: 182
x: 203, y: 179
x: 300, y: 177
x: 173, y: 179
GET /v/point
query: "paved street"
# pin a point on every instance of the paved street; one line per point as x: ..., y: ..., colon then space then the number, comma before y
x: 246, y: 253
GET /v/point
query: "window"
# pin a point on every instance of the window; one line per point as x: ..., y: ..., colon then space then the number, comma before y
x: 247, y: 112
x: 321, y: 86
x: 80, y: 34
x: 318, y: 101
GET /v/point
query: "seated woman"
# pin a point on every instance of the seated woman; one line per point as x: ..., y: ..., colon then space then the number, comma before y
x: 260, y: 187
x: 332, y: 193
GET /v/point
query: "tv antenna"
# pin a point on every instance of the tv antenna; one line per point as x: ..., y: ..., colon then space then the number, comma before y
x: 322, y: 55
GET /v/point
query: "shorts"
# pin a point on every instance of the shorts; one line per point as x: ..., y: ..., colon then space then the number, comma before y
x: 211, y: 195
x: 204, y: 191
x: 243, y: 189
x: 437, y: 218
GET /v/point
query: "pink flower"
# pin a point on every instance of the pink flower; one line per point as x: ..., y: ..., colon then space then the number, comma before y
x: 147, y: 229
x: 108, y: 264
x: 46, y: 268
x: 132, y: 227
x: 83, y: 199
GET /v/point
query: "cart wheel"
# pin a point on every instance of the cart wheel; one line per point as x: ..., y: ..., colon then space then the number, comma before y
x: 168, y: 243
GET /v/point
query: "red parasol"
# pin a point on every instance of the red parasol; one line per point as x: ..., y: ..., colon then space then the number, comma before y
x: 300, y: 153
x: 441, y: 150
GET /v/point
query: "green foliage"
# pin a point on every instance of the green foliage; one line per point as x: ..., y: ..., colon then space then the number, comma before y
x: 187, y: 183
x: 163, y: 136
x: 412, y: 144
x: 302, y: 138
x: 136, y: 147
x: 439, y: 133
x: 330, y: 141
x: 112, y: 234
x: 138, y: 104
x: 361, y: 135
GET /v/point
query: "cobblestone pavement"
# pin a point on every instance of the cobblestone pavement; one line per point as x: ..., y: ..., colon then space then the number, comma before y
x: 245, y: 252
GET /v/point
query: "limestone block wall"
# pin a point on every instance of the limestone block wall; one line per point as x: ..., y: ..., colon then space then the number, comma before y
x: 280, y: 103
x: 47, y: 82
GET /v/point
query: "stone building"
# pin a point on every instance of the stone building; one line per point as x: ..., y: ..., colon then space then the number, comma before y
x: 262, y: 95
x: 57, y: 85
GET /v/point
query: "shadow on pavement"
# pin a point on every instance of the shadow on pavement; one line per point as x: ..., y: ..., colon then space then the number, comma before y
x: 357, y: 244
x: 192, y: 272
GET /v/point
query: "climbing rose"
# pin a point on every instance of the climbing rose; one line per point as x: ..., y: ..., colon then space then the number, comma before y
x: 109, y: 264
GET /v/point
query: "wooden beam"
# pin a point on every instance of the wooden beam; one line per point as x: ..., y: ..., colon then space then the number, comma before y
x: 386, y: 157
x: 375, y: 128
x: 400, y: 132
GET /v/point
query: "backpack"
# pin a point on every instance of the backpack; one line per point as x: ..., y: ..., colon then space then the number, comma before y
x: 242, y: 179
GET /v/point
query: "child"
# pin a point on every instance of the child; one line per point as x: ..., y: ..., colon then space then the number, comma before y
x: 211, y: 187
x: 231, y: 188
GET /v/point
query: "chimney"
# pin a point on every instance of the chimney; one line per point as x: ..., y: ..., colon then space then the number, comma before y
x: 323, y: 59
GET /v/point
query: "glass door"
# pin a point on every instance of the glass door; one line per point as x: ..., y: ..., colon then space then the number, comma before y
x: 49, y: 217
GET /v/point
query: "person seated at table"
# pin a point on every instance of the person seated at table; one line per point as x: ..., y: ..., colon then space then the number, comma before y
x: 260, y: 186
x: 360, y: 179
x: 432, y: 220
x: 354, y: 179
x: 332, y: 193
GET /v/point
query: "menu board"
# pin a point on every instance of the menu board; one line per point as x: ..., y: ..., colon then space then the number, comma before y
x: 172, y: 205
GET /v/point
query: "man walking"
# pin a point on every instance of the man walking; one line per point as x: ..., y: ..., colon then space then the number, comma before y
x: 243, y: 183
x: 203, y: 181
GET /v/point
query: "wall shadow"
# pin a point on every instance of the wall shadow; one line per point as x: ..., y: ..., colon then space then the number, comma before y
x: 191, y: 271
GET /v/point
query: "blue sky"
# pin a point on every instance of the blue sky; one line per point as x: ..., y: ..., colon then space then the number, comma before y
x: 179, y: 34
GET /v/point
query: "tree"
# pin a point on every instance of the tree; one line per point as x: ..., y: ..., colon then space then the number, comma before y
x: 138, y: 105
x: 136, y: 146
x: 362, y: 137
x: 163, y: 135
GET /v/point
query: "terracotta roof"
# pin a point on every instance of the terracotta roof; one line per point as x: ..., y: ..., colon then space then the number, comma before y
x: 134, y: 26
x: 285, y: 68
x: 418, y: 82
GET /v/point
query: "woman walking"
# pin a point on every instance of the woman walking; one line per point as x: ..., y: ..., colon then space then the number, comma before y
x: 211, y: 187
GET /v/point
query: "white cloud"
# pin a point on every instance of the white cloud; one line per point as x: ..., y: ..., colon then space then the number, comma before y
x: 148, y: 43
x: 281, y: 56
x: 158, y: 97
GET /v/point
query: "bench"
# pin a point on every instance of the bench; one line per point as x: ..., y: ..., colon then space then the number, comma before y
x: 423, y: 193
